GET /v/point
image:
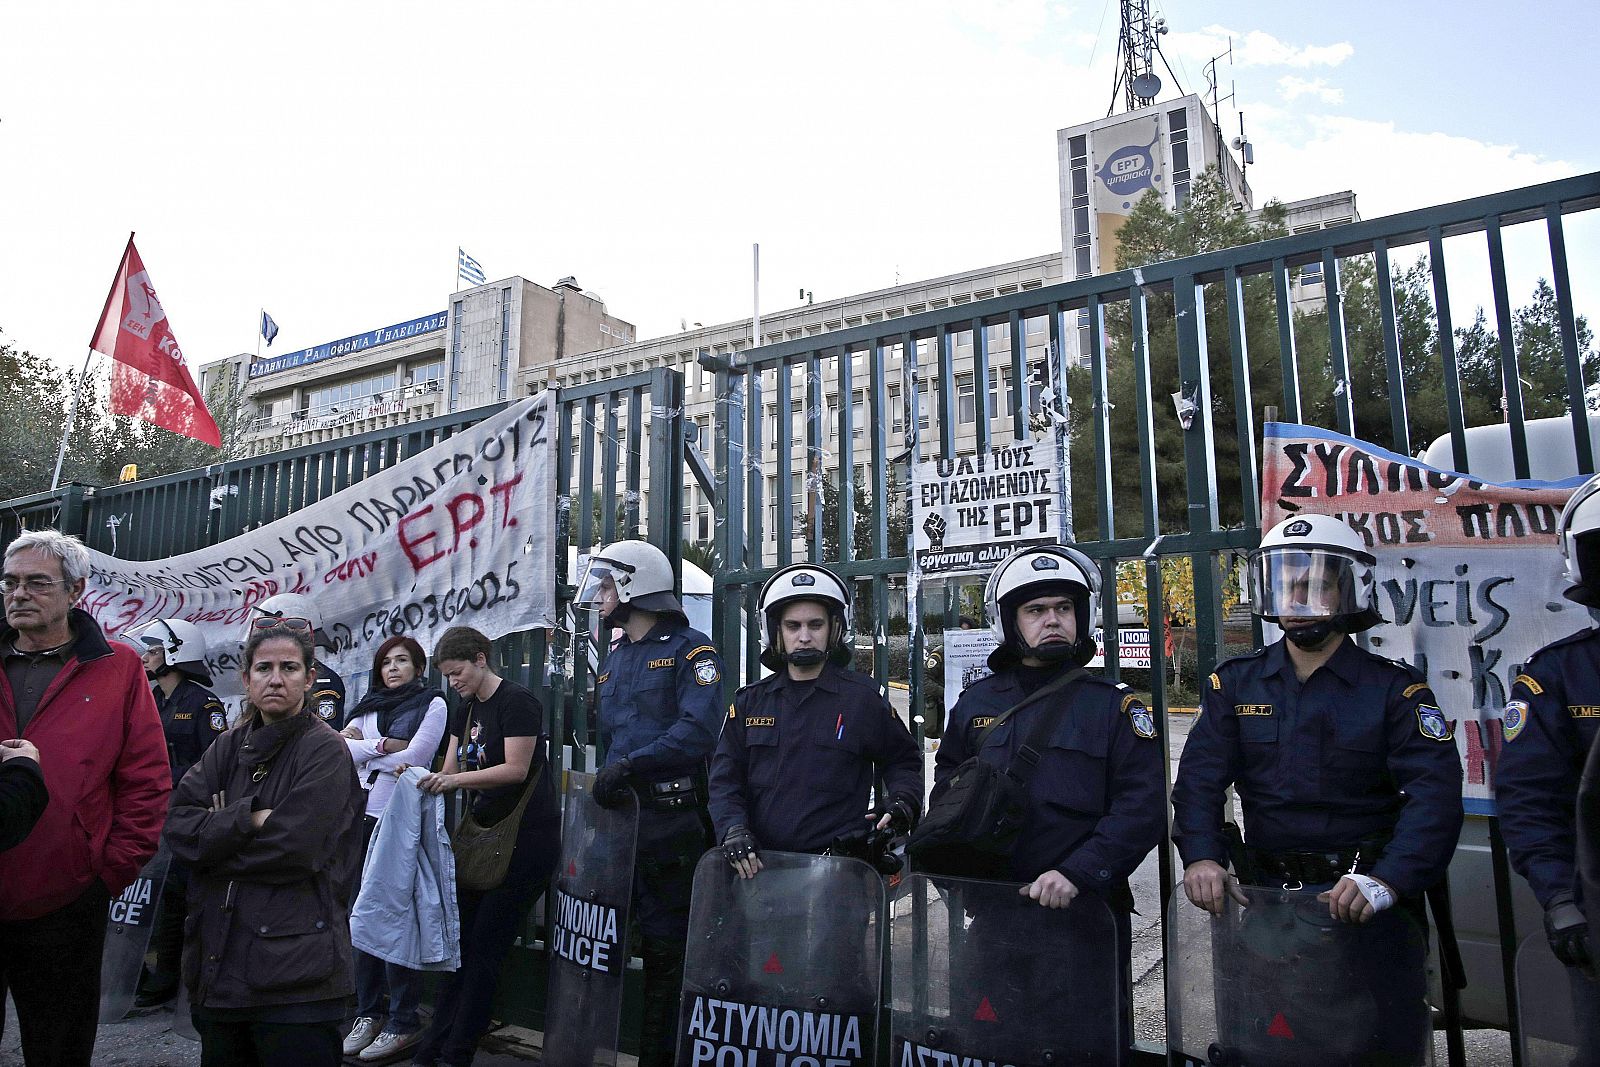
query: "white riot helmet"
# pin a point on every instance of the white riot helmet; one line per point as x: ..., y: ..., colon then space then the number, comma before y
x: 805, y: 581
x: 1314, y: 567
x: 291, y: 606
x: 181, y: 643
x: 1038, y: 571
x: 641, y: 574
x: 1579, y: 534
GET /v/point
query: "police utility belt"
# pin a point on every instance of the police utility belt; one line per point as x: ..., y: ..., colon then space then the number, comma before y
x: 686, y: 792
x: 1311, y: 868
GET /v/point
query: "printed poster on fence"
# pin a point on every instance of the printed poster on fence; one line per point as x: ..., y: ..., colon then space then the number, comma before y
x: 462, y: 534
x: 1469, y: 573
x: 970, y: 512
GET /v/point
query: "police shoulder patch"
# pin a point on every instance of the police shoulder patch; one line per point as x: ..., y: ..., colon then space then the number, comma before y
x: 1513, y: 719
x: 1139, y: 717
x: 1413, y: 689
x: 219, y: 720
x: 1216, y: 683
x: 696, y: 650
x: 1527, y: 682
x: 732, y: 714
x: 1433, y: 725
x: 328, y: 709
x: 706, y: 673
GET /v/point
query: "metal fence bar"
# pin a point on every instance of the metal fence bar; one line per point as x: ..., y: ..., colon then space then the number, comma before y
x: 1577, y: 388
x: 1510, y: 376
x: 1398, y: 425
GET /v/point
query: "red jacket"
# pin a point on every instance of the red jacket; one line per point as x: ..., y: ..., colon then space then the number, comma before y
x: 105, y: 762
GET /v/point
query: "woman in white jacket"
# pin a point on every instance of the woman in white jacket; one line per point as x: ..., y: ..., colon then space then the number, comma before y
x: 398, y: 724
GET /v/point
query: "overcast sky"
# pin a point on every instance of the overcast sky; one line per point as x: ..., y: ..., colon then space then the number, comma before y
x: 325, y: 160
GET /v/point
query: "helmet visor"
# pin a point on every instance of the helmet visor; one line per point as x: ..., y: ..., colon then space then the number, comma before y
x: 594, y: 578
x: 1305, y: 583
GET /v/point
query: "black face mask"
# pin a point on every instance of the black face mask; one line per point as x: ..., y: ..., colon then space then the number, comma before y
x: 806, y: 657
x: 1314, y: 636
x: 619, y: 615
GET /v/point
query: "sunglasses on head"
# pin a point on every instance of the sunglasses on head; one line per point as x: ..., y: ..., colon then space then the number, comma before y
x: 286, y: 622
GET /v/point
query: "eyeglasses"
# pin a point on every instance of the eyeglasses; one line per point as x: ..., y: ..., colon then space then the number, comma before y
x: 284, y: 622
x: 35, y: 586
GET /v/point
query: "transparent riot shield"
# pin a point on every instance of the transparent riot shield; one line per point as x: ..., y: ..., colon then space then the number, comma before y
x: 979, y: 973
x: 130, y: 918
x: 588, y: 935
x: 785, y: 967
x: 1557, y: 1007
x: 1278, y: 981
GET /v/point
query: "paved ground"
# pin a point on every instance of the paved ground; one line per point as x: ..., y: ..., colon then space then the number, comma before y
x: 147, y: 1040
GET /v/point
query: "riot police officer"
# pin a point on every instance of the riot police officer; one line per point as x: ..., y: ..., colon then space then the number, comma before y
x: 326, y: 698
x: 1094, y: 796
x: 660, y: 710
x: 1343, y: 761
x: 802, y: 748
x: 192, y: 716
x: 1550, y: 724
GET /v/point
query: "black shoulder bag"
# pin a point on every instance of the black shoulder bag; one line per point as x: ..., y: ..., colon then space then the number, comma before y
x: 970, y: 829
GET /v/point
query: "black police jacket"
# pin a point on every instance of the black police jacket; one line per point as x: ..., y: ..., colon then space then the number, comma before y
x: 1359, y: 752
x: 796, y: 762
x: 1096, y: 801
x: 1549, y: 725
x: 192, y: 717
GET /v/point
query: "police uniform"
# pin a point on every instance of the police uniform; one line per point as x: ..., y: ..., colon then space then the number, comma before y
x: 661, y: 708
x: 1096, y: 799
x: 797, y: 761
x: 1549, y: 726
x: 1353, y: 770
x: 327, y: 696
x: 1095, y: 809
x: 192, y: 717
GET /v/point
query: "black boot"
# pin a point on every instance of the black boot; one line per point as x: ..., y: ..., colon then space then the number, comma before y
x: 663, y: 983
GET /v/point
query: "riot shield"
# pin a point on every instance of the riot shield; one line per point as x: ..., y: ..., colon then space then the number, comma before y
x: 1557, y: 1007
x: 129, y: 920
x: 1278, y: 981
x: 785, y: 967
x: 589, y: 926
x: 978, y: 973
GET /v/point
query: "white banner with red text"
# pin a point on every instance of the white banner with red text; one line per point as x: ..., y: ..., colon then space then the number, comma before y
x: 461, y: 534
x: 1469, y: 572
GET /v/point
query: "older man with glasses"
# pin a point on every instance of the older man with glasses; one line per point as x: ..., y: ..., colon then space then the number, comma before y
x: 85, y: 704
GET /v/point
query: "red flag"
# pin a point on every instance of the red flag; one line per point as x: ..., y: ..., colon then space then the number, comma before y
x: 150, y: 380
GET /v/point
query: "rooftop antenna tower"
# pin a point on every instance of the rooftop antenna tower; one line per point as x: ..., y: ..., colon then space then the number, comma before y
x: 1137, y: 82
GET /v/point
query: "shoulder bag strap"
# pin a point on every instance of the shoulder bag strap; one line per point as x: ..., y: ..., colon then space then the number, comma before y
x: 1038, y: 694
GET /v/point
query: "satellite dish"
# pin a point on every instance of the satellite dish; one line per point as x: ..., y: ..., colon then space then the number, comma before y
x: 1147, y: 87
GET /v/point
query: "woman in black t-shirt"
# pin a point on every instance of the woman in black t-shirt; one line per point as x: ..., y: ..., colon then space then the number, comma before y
x: 496, y: 746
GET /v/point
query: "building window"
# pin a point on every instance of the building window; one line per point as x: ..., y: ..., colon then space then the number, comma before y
x: 966, y: 408
x: 1078, y: 167
x: 346, y: 396
x: 1178, y: 138
x: 428, y: 378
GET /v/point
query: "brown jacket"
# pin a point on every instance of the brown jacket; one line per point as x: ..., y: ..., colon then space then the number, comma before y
x: 268, y: 909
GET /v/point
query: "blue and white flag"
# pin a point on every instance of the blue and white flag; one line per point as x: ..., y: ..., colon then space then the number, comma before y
x: 269, y: 329
x: 468, y: 269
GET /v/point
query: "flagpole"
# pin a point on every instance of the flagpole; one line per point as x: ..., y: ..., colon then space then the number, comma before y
x: 261, y: 328
x: 72, y: 418
x: 457, y: 282
x: 72, y: 408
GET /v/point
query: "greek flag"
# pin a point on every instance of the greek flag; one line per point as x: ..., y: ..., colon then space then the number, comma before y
x: 269, y: 329
x: 468, y: 269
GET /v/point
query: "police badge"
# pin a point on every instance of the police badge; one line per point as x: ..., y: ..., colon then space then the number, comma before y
x: 1514, y: 719
x: 1432, y: 723
x: 705, y: 672
x: 219, y: 721
x: 1144, y: 723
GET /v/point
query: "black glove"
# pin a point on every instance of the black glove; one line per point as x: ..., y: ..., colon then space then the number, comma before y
x: 738, y: 844
x: 612, y: 783
x: 902, y: 816
x: 1568, y: 931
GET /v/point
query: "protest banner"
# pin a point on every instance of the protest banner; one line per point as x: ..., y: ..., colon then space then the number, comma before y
x: 970, y: 512
x: 461, y: 534
x: 1468, y: 571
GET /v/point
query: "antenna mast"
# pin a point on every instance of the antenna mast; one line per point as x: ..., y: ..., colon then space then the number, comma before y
x: 1137, y: 48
